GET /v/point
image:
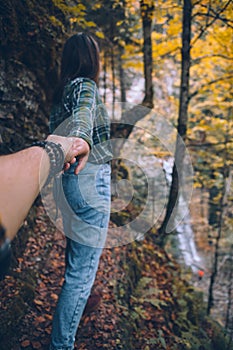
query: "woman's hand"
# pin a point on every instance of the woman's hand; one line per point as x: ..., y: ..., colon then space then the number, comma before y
x: 74, y: 148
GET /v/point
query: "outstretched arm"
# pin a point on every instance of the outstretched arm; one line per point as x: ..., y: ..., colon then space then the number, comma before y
x: 19, y: 185
x: 22, y: 174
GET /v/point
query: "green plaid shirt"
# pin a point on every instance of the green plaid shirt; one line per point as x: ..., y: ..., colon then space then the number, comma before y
x: 81, y: 113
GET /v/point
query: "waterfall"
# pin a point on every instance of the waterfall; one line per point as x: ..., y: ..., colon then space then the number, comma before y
x: 185, y: 236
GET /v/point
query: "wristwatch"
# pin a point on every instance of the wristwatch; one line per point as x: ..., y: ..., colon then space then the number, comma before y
x: 5, y: 252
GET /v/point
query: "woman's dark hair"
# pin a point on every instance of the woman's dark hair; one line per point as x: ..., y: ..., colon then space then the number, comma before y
x: 80, y: 58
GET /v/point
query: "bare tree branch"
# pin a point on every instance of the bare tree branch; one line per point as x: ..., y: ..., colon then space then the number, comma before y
x: 208, y: 24
x: 192, y: 143
x: 197, y: 2
x: 170, y: 52
x: 208, y: 13
x: 196, y: 61
x: 209, y: 84
x: 226, y: 21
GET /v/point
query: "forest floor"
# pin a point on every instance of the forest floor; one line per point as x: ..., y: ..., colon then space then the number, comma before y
x: 158, y: 317
x: 44, y: 255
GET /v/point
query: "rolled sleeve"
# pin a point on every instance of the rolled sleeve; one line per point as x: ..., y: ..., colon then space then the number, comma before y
x: 83, y: 105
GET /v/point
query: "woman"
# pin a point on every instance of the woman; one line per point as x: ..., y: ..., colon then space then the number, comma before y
x: 85, y: 199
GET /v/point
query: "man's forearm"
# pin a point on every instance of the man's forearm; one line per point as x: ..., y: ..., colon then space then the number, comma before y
x: 22, y: 174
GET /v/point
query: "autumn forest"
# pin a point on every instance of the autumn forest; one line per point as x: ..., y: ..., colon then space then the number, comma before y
x: 165, y: 279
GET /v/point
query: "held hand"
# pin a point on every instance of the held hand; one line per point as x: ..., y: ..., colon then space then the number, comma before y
x: 73, y: 147
x: 82, y: 159
x: 81, y: 149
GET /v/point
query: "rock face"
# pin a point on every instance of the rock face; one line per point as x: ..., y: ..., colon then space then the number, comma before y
x: 23, y: 112
x: 28, y: 71
x: 28, y: 74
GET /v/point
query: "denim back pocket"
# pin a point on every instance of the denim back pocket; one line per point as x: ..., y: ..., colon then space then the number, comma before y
x: 90, y: 188
x: 77, y: 195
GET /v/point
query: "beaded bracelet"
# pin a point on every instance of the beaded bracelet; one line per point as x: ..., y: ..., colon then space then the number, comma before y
x: 5, y: 252
x: 56, y: 156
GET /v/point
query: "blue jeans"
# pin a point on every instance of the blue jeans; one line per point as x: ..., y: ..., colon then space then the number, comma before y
x: 85, y: 207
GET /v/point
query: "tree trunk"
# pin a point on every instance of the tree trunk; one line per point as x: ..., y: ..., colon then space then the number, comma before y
x: 113, y: 83
x: 227, y: 179
x: 121, y: 130
x: 182, y: 125
x: 218, y: 239
x: 229, y: 313
x: 105, y: 76
x: 147, y: 9
x: 122, y: 76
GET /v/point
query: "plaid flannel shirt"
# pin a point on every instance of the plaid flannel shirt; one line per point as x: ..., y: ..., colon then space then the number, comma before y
x: 81, y: 113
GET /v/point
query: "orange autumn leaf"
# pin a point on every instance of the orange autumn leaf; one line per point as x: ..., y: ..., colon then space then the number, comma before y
x: 49, y: 317
x: 54, y: 296
x: 25, y: 343
x: 40, y: 319
x: 36, y: 345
